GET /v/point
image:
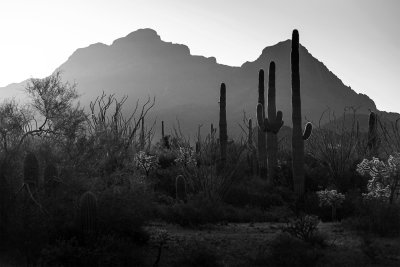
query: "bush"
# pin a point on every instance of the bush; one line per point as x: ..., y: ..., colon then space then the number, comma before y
x: 305, y: 228
x: 200, y: 210
x: 256, y: 193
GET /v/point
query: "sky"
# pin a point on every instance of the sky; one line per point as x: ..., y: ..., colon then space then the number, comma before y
x: 358, y: 40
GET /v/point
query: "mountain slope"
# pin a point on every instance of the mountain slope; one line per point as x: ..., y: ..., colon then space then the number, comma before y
x: 187, y: 86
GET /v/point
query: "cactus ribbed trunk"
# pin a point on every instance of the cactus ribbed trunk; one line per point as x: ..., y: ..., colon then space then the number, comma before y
x: 272, y: 138
x: 223, y: 132
x: 262, y: 142
x: 372, y: 135
x: 297, y: 135
x: 250, y: 155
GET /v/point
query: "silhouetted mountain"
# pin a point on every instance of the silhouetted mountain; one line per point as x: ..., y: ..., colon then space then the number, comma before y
x: 187, y: 86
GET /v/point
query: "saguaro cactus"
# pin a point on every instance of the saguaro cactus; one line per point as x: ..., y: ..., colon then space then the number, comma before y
x: 180, y: 188
x: 270, y: 125
x: 275, y: 123
x: 261, y: 137
x: 31, y: 171
x: 250, y: 155
x: 164, y: 138
x: 297, y: 136
x: 223, y: 132
x: 88, y: 213
x: 373, y: 134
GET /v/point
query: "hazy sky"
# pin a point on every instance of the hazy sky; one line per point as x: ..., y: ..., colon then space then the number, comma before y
x: 358, y: 40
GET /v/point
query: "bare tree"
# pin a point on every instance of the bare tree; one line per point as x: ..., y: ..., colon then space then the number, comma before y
x: 336, y: 144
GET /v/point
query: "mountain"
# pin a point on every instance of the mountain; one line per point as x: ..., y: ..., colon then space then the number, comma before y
x: 186, y: 86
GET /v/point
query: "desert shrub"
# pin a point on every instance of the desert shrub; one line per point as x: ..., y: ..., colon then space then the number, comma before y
x: 196, y: 211
x: 199, y: 210
x: 376, y: 217
x: 166, y: 158
x: 286, y: 250
x: 305, y: 228
x: 256, y: 193
x: 197, y: 254
x: 332, y: 199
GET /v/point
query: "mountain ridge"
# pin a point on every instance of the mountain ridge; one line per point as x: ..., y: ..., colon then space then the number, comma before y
x: 142, y: 64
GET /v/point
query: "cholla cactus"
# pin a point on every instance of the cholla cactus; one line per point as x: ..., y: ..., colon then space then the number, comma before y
x: 186, y: 157
x: 385, y: 177
x: 330, y: 198
x: 146, y: 162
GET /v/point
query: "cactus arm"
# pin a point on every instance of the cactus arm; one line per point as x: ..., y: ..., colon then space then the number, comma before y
x: 307, y: 131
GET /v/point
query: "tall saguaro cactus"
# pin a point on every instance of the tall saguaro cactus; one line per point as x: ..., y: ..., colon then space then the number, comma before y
x: 275, y: 121
x: 270, y: 125
x: 223, y: 132
x: 261, y: 137
x: 298, y: 136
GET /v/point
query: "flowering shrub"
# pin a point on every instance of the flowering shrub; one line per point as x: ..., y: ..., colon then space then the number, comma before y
x: 384, y: 177
x: 186, y: 157
x: 330, y: 198
x: 145, y: 162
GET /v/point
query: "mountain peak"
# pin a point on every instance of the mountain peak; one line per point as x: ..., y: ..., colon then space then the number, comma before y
x: 142, y: 36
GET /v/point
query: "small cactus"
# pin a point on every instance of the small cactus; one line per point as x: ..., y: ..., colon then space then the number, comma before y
x: 180, y: 188
x: 31, y: 171
x: 88, y: 213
